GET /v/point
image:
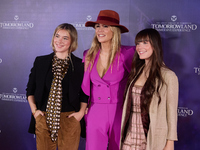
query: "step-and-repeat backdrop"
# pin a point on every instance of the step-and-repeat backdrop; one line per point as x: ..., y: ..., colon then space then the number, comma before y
x: 26, y: 28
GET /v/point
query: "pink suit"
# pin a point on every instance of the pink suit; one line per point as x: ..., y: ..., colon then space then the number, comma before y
x: 103, y: 121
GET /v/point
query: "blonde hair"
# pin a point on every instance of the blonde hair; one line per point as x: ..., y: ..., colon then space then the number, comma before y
x: 96, y: 45
x: 73, y: 35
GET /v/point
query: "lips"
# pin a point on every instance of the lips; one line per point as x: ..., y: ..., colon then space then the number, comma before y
x: 101, y: 35
x: 59, y: 46
x: 141, y: 52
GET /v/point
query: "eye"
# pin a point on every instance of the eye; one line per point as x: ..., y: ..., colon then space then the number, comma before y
x: 105, y: 26
x: 96, y: 26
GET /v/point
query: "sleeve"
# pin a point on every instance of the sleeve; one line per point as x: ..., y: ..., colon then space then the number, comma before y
x: 31, y: 85
x: 84, y: 54
x: 172, y: 105
x: 128, y: 53
x: 86, y: 78
x: 84, y: 98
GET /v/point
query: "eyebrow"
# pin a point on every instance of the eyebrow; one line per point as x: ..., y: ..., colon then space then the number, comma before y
x: 63, y: 36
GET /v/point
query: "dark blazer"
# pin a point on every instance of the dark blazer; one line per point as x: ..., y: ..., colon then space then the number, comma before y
x: 37, y: 79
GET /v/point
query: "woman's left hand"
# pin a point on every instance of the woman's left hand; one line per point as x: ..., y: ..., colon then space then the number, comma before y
x: 169, y: 145
x: 77, y: 115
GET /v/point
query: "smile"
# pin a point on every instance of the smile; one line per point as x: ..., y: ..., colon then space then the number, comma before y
x: 101, y: 35
x: 142, y: 52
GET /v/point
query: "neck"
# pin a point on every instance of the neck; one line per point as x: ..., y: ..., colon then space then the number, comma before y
x: 105, y: 49
x: 62, y: 55
x: 147, y: 68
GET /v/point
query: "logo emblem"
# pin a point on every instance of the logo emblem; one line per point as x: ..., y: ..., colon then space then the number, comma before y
x: 173, y: 18
x: 0, y: 60
x: 16, y: 17
x: 89, y: 18
x: 14, y: 90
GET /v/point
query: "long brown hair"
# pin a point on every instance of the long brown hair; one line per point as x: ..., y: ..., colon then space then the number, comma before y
x: 155, y: 80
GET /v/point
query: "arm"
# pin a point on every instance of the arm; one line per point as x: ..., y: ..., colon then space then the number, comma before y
x: 30, y: 91
x: 172, y: 104
x: 33, y: 107
x: 169, y: 145
x: 79, y: 115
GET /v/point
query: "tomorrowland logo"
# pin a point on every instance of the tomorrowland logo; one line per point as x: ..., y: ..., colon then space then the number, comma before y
x: 174, y: 26
x: 16, y: 24
x: 173, y: 18
x: 81, y: 25
x: 89, y: 18
x: 16, y: 17
x: 197, y: 70
x: 184, y: 112
x: 14, y: 90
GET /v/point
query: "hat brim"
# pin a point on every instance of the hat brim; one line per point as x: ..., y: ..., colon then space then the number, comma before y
x: 92, y: 24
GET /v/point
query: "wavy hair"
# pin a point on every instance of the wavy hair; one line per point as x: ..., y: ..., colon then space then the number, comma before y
x: 96, y: 45
x: 155, y: 80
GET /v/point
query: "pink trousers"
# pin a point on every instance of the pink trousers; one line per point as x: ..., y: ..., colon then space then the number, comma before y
x: 103, y: 125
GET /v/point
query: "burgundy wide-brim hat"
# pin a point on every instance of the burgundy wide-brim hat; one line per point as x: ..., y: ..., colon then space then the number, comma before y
x: 107, y: 17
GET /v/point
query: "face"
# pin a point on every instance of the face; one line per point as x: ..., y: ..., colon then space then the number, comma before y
x: 62, y: 41
x: 104, y: 33
x: 144, y: 50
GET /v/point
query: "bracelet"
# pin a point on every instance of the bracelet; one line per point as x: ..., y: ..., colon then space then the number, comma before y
x: 33, y: 113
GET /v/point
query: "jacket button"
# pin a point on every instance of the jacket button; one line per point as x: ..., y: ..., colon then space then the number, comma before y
x: 108, y: 98
x: 99, y: 98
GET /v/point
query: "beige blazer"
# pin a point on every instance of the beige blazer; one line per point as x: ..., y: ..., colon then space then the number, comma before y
x: 163, y: 117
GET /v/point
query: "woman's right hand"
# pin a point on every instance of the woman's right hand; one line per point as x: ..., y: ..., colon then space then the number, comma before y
x: 37, y: 113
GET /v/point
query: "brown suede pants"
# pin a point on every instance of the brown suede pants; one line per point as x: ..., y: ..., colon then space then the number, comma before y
x: 68, y: 134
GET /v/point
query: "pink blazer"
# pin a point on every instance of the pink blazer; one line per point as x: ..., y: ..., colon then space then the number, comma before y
x: 109, y: 88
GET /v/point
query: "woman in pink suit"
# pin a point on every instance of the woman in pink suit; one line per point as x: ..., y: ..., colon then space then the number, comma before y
x: 107, y: 65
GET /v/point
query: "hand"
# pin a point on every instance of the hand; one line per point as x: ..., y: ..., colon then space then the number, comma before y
x: 37, y: 113
x: 86, y: 111
x: 77, y: 115
x: 169, y: 145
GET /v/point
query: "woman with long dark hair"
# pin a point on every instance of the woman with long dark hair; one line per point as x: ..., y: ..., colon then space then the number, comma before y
x: 149, y: 119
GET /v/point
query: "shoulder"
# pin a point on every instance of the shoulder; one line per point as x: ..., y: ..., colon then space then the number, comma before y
x: 127, y: 52
x: 76, y: 59
x: 77, y: 63
x: 44, y: 57
x: 125, y: 48
x: 84, y: 53
x: 168, y: 74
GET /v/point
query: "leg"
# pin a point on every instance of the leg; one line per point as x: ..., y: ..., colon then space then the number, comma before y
x: 115, y: 113
x: 43, y: 139
x: 97, y: 127
x: 69, y: 132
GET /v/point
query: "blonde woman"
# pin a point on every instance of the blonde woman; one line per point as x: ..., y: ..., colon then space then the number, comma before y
x: 54, y: 93
x: 107, y: 65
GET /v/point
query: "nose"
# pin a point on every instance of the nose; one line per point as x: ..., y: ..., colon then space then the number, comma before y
x: 60, y: 40
x: 100, y: 28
